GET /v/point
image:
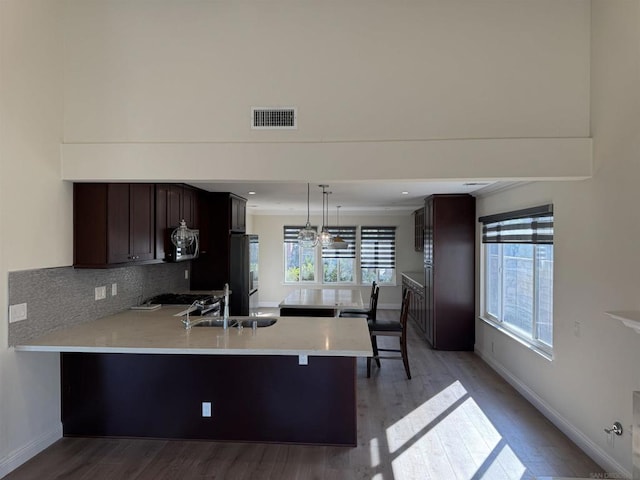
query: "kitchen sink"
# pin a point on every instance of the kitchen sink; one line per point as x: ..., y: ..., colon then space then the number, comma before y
x: 233, y: 322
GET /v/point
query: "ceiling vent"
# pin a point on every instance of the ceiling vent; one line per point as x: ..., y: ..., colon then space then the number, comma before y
x: 281, y: 118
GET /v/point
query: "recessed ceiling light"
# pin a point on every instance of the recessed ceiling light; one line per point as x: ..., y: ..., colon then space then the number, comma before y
x: 405, y: 193
x: 251, y: 192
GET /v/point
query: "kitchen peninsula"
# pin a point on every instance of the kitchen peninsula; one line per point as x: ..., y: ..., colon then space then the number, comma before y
x: 142, y: 374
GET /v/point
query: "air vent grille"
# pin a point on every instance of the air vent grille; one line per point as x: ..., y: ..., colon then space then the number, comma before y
x: 273, y: 118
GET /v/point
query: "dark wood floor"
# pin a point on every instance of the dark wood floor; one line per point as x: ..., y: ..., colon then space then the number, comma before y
x: 456, y: 419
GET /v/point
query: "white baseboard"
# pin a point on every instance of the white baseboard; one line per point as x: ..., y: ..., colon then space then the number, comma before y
x: 602, y: 458
x: 30, y: 450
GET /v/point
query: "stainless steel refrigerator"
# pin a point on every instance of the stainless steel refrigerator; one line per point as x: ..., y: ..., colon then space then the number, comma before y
x: 243, y: 274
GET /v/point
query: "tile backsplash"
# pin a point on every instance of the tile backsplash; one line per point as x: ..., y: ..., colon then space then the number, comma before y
x: 65, y: 296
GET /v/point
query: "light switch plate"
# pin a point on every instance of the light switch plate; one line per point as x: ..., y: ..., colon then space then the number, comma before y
x: 206, y: 409
x: 114, y: 289
x: 17, y: 312
x: 101, y: 293
x: 303, y: 360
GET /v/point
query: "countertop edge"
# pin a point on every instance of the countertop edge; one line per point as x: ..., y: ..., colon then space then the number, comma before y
x: 192, y: 351
x: 413, y: 277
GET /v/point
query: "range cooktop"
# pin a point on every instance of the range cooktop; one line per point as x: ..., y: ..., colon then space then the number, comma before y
x: 182, y: 299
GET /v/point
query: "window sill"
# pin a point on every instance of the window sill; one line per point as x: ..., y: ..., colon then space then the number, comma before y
x: 334, y: 285
x: 534, y: 348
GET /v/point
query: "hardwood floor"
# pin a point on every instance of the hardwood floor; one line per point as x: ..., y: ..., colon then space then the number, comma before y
x: 456, y: 419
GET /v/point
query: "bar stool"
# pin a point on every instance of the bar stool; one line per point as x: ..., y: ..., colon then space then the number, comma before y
x: 369, y: 314
x: 395, y: 329
x: 362, y: 311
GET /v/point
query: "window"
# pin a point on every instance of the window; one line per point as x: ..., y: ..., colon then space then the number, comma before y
x: 299, y: 263
x: 338, y: 264
x: 378, y: 254
x: 518, y: 279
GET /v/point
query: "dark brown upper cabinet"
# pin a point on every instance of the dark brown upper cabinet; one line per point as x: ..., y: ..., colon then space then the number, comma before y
x: 174, y: 202
x: 238, y: 214
x: 113, y: 224
x: 418, y: 236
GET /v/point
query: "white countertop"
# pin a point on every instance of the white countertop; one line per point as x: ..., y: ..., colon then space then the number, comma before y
x: 415, y: 277
x: 330, y: 298
x: 161, y: 332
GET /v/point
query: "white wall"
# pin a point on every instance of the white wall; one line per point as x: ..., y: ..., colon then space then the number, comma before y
x: 432, y: 89
x: 269, y: 228
x: 590, y: 381
x: 35, y: 211
x: 189, y: 71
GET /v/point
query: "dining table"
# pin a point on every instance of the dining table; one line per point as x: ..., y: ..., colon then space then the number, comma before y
x: 320, y: 302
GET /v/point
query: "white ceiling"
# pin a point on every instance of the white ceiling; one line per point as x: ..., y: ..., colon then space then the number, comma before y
x: 280, y: 198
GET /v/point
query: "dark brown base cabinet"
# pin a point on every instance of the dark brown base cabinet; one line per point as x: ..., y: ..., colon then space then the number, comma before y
x: 417, y: 305
x: 253, y: 398
x: 449, y: 268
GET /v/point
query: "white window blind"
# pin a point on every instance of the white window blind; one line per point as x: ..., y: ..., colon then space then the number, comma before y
x: 531, y: 225
x: 378, y: 247
x: 348, y: 234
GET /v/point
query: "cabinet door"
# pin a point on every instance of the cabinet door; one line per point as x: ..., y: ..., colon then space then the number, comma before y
x: 130, y: 222
x: 238, y: 214
x: 428, y: 231
x: 429, y: 330
x: 118, y: 223
x: 174, y: 206
x: 421, y: 309
x: 189, y: 202
x: 418, y: 236
x: 142, y: 214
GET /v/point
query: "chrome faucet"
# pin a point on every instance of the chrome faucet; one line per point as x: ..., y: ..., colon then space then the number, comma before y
x: 186, y: 321
x: 225, y: 315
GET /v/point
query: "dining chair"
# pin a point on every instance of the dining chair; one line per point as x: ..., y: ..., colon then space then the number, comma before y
x: 394, y: 328
x: 362, y: 310
x: 370, y: 313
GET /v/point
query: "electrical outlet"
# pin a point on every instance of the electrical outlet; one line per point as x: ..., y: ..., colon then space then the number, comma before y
x: 186, y: 274
x: 114, y: 289
x: 101, y: 293
x: 17, y: 312
x: 206, y: 409
x: 303, y: 360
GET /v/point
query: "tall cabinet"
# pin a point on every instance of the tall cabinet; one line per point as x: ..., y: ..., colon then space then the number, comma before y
x: 449, y: 271
x: 220, y: 215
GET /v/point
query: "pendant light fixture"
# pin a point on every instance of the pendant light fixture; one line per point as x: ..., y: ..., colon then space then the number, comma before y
x: 325, y: 237
x: 182, y: 236
x: 338, y: 242
x: 307, y: 237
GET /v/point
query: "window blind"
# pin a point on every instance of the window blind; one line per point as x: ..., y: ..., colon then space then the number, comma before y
x: 291, y: 233
x: 348, y: 234
x: 378, y: 247
x: 531, y: 225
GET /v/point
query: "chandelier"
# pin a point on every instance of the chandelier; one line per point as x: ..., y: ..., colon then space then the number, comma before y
x: 326, y: 239
x: 307, y: 237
